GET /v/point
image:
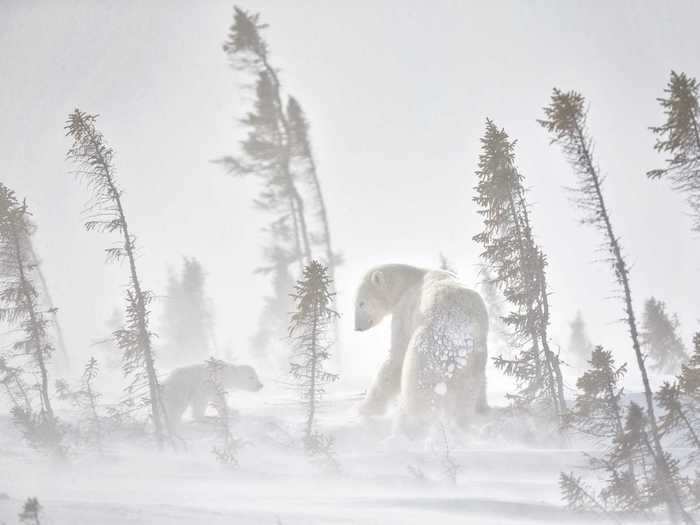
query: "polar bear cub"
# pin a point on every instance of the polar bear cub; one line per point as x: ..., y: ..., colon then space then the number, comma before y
x: 192, y: 386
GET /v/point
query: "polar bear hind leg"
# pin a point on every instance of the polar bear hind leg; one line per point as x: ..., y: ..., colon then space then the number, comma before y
x: 420, y: 397
x: 199, y: 403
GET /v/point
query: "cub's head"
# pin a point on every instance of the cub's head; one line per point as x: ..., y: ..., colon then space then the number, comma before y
x: 372, y: 300
x: 241, y: 377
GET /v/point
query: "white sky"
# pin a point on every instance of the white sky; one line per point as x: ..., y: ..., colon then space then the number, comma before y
x: 396, y: 92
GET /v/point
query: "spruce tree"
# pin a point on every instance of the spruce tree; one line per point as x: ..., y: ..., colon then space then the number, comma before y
x: 187, y: 318
x: 31, y: 510
x: 681, y: 413
x: 267, y: 151
x: 274, y: 319
x: 51, y: 309
x: 278, y: 151
x: 658, y: 475
x: 87, y: 400
x: 689, y: 378
x: 680, y: 401
x: 20, y: 307
x: 580, y: 497
x: 679, y: 138
x: 580, y: 345
x: 565, y: 119
x: 597, y: 409
x: 628, y: 465
x: 227, y: 451
x: 304, y: 163
x: 495, y: 304
x: 14, y: 386
x: 660, y: 337
x: 598, y: 412
x: 517, y: 265
x: 308, y: 328
x: 266, y: 156
x: 93, y: 159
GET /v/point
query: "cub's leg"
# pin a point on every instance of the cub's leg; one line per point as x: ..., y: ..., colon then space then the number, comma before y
x: 199, y: 403
x: 222, y: 408
x: 174, y: 405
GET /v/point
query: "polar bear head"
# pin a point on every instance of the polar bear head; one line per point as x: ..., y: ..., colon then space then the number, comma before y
x: 371, y: 301
x: 241, y: 377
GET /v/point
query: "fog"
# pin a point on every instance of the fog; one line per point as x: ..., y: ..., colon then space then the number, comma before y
x: 396, y: 94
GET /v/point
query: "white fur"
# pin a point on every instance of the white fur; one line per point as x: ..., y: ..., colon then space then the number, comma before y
x: 438, y: 353
x: 192, y: 386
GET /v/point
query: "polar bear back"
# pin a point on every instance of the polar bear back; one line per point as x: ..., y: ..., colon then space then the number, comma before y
x: 199, y: 385
x: 444, y: 300
x: 452, y: 324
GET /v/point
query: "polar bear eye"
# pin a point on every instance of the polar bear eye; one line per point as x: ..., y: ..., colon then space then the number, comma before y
x: 362, y: 304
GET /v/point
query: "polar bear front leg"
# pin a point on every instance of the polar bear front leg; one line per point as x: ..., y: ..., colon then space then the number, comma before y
x: 387, y: 384
x: 385, y: 387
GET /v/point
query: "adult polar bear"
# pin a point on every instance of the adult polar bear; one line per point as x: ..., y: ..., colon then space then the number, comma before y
x: 438, y: 351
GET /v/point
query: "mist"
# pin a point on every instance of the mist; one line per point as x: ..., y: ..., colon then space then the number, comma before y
x: 396, y: 97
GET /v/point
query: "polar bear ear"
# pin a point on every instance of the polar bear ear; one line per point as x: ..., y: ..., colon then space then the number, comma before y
x: 378, y: 279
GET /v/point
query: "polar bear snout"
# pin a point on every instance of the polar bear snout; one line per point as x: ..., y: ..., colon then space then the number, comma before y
x: 255, y: 385
x: 363, y: 324
x: 365, y: 316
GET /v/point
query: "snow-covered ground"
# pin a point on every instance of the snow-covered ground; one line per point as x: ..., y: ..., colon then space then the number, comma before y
x: 500, y: 482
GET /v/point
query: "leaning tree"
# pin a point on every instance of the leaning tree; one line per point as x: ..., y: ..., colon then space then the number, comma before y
x: 20, y: 305
x: 517, y: 268
x: 187, y: 321
x: 566, y: 121
x: 679, y: 138
x: 580, y: 345
x: 94, y: 164
x: 660, y: 337
x: 277, y: 151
